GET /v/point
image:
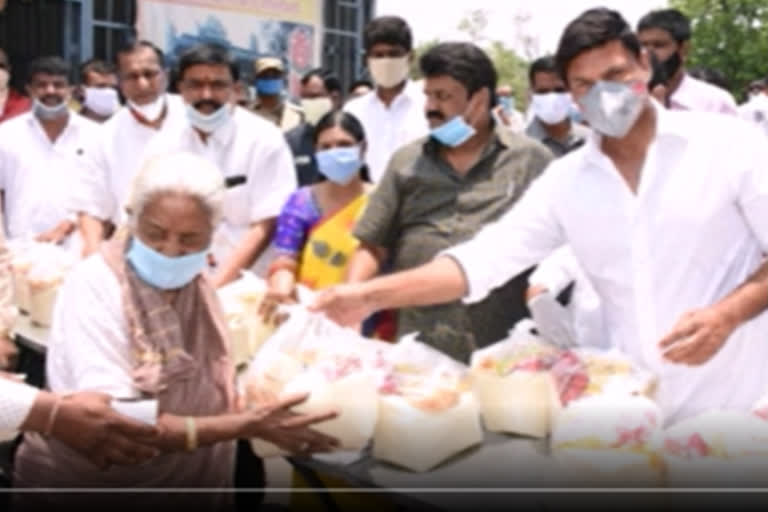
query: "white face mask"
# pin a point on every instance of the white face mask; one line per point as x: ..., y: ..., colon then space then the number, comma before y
x: 209, y: 123
x: 315, y: 109
x: 5, y: 77
x: 102, y: 101
x: 151, y: 111
x: 553, y: 107
x: 389, y: 72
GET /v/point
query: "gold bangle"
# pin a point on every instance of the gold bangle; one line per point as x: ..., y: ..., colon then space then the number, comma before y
x: 52, y: 417
x: 191, y: 434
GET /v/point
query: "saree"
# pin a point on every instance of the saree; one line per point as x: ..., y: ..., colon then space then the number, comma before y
x: 329, y: 246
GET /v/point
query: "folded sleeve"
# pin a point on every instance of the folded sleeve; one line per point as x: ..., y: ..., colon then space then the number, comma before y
x: 16, y: 400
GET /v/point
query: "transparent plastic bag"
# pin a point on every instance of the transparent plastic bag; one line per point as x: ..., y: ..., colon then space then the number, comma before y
x: 339, y: 368
x: 427, y: 412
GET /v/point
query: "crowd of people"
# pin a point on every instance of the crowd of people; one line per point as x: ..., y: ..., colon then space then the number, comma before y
x: 625, y: 208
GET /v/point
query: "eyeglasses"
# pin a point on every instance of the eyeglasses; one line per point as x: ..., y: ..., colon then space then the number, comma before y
x: 215, y: 85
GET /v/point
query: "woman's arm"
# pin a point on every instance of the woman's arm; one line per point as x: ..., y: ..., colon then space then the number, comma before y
x: 273, y: 422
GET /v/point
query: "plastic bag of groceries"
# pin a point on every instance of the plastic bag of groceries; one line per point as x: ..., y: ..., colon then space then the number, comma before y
x: 340, y: 369
x: 513, y: 384
x: 38, y: 271
x: 717, y: 448
x: 609, y: 439
x: 240, y: 301
x: 427, y: 412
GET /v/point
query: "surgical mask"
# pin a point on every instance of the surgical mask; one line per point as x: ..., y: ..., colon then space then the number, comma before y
x: 453, y: 133
x: 151, y: 111
x: 5, y: 78
x: 162, y: 271
x: 315, y: 109
x: 389, y: 72
x: 612, y: 108
x: 551, y: 108
x: 507, y: 103
x: 102, y: 101
x: 340, y: 165
x: 46, y: 113
x: 208, y: 123
x: 269, y: 86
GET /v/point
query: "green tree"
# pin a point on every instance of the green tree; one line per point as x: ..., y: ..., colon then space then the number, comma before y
x: 417, y: 53
x: 730, y: 36
x: 512, y: 70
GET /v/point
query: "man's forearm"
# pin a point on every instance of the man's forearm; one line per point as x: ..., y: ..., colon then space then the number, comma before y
x: 253, y: 244
x: 365, y: 264
x: 92, y: 231
x: 439, y: 281
x: 748, y: 300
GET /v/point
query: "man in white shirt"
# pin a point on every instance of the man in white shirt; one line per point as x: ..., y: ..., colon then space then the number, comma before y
x: 250, y: 151
x: 116, y: 154
x: 667, y: 33
x: 40, y: 154
x: 393, y: 113
x: 670, y: 224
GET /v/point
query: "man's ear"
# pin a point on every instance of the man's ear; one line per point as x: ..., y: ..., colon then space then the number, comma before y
x: 685, y: 50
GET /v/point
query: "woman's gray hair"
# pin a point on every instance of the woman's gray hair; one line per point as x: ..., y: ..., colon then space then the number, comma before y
x: 177, y: 173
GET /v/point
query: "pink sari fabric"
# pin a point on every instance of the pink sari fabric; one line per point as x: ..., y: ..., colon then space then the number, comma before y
x: 182, y: 360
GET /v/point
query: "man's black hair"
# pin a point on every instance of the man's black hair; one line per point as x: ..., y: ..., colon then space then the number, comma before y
x: 130, y: 44
x: 211, y: 54
x: 392, y: 30
x: 544, y: 64
x: 464, y: 62
x: 592, y: 29
x: 98, y: 66
x: 51, y: 65
x: 670, y: 20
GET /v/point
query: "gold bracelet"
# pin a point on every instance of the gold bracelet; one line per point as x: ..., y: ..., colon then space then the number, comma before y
x: 191, y: 434
x: 52, y: 417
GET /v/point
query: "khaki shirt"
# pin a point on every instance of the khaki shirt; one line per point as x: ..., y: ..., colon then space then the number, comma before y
x: 422, y: 207
x: 286, y: 117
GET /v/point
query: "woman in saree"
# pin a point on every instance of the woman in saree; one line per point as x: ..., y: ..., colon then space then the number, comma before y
x: 314, y: 237
x: 139, y: 320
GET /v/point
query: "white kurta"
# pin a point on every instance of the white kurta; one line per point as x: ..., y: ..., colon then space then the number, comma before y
x: 696, y: 230
x: 115, y: 157
x: 387, y: 129
x: 247, y: 146
x: 37, y: 174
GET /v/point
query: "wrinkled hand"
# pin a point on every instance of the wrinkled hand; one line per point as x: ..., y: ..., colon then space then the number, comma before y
x: 344, y: 304
x: 9, y: 353
x: 87, y: 424
x: 274, y: 422
x: 697, y: 337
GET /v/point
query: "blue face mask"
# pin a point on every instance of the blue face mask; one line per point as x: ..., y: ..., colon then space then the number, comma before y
x: 453, y: 133
x: 507, y: 103
x: 269, y: 86
x: 340, y: 165
x: 161, y: 271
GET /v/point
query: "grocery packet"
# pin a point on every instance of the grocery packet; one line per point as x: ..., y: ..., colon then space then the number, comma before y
x: 427, y: 412
x: 339, y: 368
x: 717, y: 448
x: 38, y: 270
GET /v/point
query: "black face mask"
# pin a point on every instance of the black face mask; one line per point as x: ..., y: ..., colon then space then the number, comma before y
x: 672, y: 65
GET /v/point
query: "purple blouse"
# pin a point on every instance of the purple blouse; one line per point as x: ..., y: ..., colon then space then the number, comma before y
x: 298, y: 217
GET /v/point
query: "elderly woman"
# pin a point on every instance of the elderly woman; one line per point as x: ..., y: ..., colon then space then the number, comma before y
x: 139, y: 320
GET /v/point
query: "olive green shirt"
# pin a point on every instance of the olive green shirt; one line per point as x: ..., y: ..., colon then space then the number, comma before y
x: 422, y: 207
